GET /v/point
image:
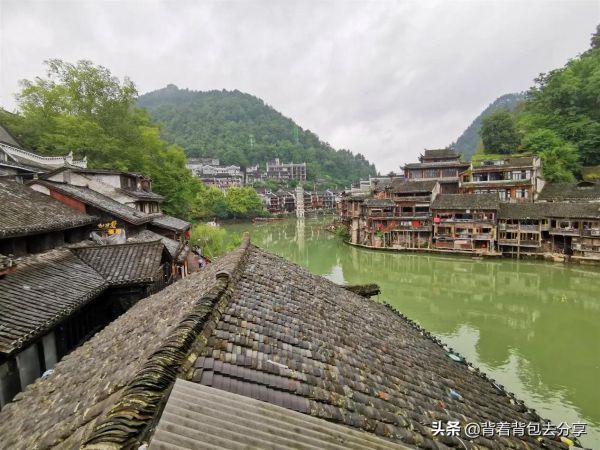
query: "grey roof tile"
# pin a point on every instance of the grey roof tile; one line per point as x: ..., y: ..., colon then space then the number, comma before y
x: 43, y: 290
x: 583, y: 191
x: 466, y: 201
x: 99, y: 201
x: 24, y: 211
x: 171, y: 223
x: 121, y: 264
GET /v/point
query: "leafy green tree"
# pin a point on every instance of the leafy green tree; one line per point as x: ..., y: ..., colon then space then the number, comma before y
x: 567, y: 102
x: 560, y: 159
x: 83, y: 108
x: 499, y: 133
x: 244, y: 202
x: 210, y: 202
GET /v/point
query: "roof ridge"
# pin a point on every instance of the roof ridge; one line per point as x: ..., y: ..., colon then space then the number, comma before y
x: 143, y: 395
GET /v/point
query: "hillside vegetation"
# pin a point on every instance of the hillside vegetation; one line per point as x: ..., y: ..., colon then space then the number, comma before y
x: 559, y: 119
x: 83, y: 108
x: 241, y: 129
x: 467, y: 143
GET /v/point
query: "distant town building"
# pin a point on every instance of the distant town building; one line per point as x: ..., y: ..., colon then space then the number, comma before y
x: 212, y: 173
x: 276, y: 170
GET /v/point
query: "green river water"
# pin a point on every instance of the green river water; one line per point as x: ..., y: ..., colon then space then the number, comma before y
x: 532, y: 326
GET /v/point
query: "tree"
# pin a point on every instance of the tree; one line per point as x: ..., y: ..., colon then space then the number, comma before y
x: 83, y: 108
x: 499, y: 133
x: 241, y: 129
x: 560, y: 159
x: 244, y: 202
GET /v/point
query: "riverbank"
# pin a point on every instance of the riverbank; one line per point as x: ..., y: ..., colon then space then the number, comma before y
x: 550, y: 257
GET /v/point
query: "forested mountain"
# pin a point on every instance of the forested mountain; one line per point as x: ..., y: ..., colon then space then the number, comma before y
x: 467, y: 143
x: 241, y: 129
x: 558, y: 120
x: 83, y: 108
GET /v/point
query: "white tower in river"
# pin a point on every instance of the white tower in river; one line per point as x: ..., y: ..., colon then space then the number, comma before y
x: 299, y: 201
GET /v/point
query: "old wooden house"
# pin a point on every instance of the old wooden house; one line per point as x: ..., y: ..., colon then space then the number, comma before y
x: 381, y: 221
x: 412, y: 200
x: 443, y: 165
x: 514, y: 178
x: 575, y: 228
x: 128, y: 220
x: 523, y: 228
x: 465, y: 222
x: 54, y: 301
x: 31, y: 222
x: 130, y: 189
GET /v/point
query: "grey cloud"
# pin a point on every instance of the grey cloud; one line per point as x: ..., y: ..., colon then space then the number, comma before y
x: 384, y: 78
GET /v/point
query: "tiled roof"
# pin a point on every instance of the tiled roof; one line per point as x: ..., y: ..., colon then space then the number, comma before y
x: 171, y: 223
x: 570, y: 191
x: 120, y: 264
x: 574, y: 210
x: 466, y: 201
x: 198, y: 416
x: 379, y: 202
x: 24, y: 211
x: 258, y: 326
x: 524, y: 210
x: 440, y: 153
x: 438, y: 164
x: 99, y: 201
x: 143, y: 195
x: 42, y: 291
x: 172, y: 246
x: 298, y: 341
x: 400, y: 186
x: 60, y: 410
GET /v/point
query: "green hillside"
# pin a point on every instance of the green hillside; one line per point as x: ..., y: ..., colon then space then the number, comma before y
x: 241, y: 129
x: 467, y: 143
x: 559, y: 119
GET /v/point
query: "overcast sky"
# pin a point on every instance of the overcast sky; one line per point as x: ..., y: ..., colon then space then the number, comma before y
x: 384, y: 78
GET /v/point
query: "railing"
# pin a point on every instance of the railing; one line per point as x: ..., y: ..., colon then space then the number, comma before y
x: 507, y: 241
x: 530, y: 242
x: 480, y: 236
x: 505, y: 182
x: 529, y: 227
x: 565, y: 231
x: 591, y: 233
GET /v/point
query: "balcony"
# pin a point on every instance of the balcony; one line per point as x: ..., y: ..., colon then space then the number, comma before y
x: 416, y: 199
x: 529, y: 228
x: 530, y: 243
x: 483, y: 236
x: 508, y: 241
x: 565, y: 231
x: 591, y: 233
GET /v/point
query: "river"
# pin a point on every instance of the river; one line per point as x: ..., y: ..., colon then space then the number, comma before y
x: 532, y: 326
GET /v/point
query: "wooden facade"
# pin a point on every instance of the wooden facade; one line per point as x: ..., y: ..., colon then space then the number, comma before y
x: 514, y: 179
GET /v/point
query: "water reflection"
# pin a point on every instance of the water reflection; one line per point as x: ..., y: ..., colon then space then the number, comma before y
x: 535, y: 327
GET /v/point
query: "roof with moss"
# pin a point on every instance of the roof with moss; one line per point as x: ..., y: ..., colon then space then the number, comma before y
x: 260, y: 327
